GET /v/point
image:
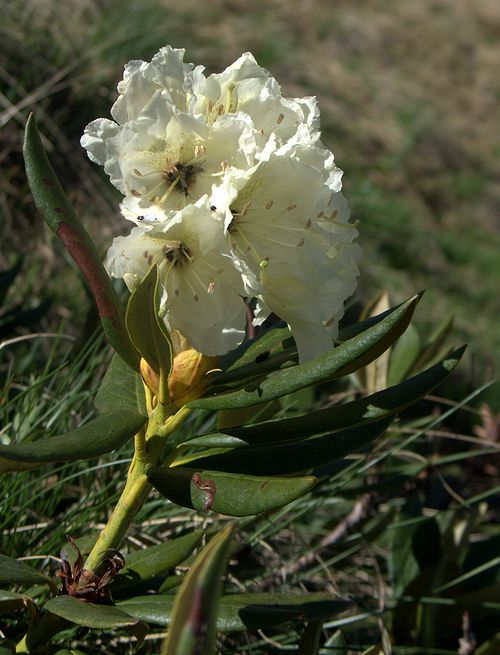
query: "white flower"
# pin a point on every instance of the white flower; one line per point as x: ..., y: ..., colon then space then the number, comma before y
x: 202, y: 289
x: 290, y: 234
x: 168, y: 158
x: 166, y: 72
x: 175, y: 130
x: 247, y: 87
x: 222, y: 173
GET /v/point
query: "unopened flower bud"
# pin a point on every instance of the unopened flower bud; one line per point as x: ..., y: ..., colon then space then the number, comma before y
x: 188, y: 378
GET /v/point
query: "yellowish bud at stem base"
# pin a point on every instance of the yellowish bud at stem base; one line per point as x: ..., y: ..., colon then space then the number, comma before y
x: 150, y: 377
x: 188, y: 378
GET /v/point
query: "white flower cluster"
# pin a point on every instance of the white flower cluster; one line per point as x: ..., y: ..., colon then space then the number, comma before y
x: 233, y: 196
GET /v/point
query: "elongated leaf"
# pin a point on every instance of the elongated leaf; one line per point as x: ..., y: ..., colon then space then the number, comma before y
x: 364, y: 410
x: 257, y: 349
x: 53, y: 204
x: 102, y: 435
x: 157, y: 560
x: 404, y: 353
x: 255, y: 369
x: 309, y: 642
x: 374, y: 375
x: 89, y: 615
x: 290, y: 457
x: 192, y: 630
x: 234, y: 495
x: 121, y: 388
x: 146, y: 329
x: 344, y: 359
x: 434, y: 344
x: 239, y: 612
x: 254, y: 348
x: 12, y: 602
x: 12, y: 571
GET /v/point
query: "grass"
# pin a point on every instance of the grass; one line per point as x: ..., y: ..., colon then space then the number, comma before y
x: 408, y: 94
x: 342, y: 538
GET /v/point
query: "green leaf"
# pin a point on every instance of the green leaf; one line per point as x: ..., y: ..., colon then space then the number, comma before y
x: 14, y: 572
x: 97, y: 437
x: 157, y: 560
x: 146, y: 329
x: 263, y: 610
x: 121, y: 388
x: 246, y: 611
x: 7, y: 647
x: 404, y: 354
x: 52, y: 202
x: 259, y: 346
x: 434, y: 344
x: 89, y: 615
x: 289, y: 457
x: 374, y: 376
x: 346, y: 358
x: 154, y: 609
x: 192, y: 630
x: 12, y: 602
x: 225, y: 493
x: 358, y: 412
x: 309, y: 642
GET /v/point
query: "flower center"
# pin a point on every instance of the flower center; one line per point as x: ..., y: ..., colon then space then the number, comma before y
x: 175, y: 252
x: 182, y: 176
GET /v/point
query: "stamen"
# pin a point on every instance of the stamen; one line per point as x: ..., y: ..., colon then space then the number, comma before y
x: 201, y: 283
x: 251, y: 249
x: 151, y: 196
x: 169, y: 191
x: 231, y: 101
x: 195, y: 295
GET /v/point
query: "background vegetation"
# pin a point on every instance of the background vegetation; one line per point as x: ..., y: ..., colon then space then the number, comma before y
x: 409, y: 95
